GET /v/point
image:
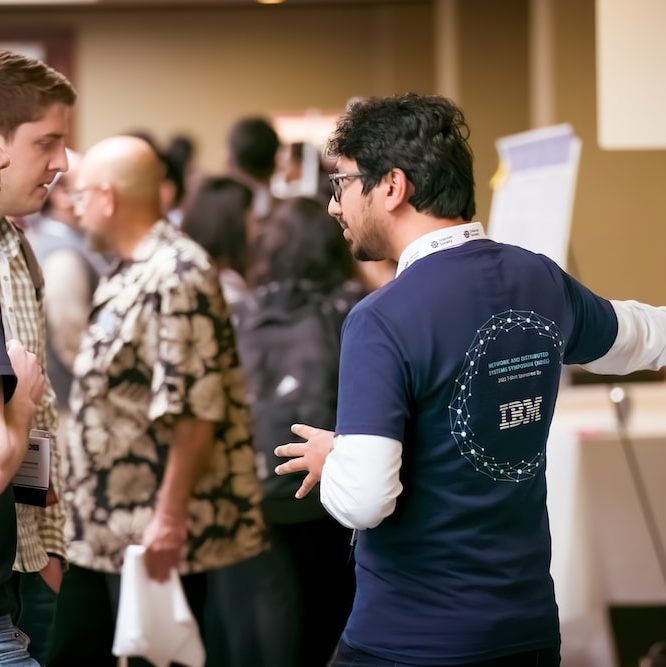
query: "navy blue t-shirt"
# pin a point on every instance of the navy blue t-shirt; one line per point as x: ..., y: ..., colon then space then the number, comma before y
x: 7, y: 508
x: 459, y: 358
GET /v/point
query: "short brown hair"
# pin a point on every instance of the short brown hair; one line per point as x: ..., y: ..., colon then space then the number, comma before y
x: 27, y: 88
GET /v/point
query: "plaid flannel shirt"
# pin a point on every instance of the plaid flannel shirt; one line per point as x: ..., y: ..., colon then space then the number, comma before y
x: 40, y: 530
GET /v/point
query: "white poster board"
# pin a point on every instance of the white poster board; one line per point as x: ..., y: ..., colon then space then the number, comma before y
x: 534, y: 190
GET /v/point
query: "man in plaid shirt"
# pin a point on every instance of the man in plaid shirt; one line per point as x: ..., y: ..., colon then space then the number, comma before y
x: 35, y: 108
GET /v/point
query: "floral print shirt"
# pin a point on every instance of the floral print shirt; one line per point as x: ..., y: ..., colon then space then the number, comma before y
x: 159, y: 347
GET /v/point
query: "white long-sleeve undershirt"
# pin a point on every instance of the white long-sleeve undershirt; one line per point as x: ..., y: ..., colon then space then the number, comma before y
x: 640, y: 343
x: 360, y: 481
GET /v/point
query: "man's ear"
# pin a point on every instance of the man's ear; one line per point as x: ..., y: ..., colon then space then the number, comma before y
x: 398, y: 189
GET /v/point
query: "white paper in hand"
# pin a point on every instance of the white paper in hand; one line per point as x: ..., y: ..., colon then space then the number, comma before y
x: 154, y: 619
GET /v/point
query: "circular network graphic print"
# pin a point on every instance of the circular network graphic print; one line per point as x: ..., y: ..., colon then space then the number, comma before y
x: 459, y: 412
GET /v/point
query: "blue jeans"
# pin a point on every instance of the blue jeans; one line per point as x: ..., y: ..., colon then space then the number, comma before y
x: 349, y: 657
x: 14, y: 645
x: 36, y: 612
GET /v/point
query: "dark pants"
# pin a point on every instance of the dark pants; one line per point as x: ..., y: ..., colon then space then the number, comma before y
x: 86, y: 617
x: 35, y: 612
x: 252, y: 613
x: 284, y: 608
x: 320, y: 552
x: 349, y: 657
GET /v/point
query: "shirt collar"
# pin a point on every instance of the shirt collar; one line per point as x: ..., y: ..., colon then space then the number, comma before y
x: 440, y: 239
x: 9, y: 240
x: 147, y: 246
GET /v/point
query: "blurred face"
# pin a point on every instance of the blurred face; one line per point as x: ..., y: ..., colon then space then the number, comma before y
x: 93, y: 207
x: 61, y: 200
x: 359, y: 217
x: 37, y: 153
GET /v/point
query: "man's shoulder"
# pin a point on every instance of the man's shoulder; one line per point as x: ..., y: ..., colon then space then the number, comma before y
x: 177, y: 258
x: 387, y: 298
x: 176, y: 244
x: 182, y: 272
x: 382, y: 309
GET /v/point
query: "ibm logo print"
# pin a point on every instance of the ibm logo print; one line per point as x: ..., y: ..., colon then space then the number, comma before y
x: 519, y: 413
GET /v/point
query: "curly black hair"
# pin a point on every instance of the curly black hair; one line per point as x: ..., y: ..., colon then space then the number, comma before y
x: 425, y: 136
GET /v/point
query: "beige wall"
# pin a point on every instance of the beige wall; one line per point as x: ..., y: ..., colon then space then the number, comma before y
x: 493, y: 81
x: 618, y: 237
x: 619, y: 224
x: 197, y: 71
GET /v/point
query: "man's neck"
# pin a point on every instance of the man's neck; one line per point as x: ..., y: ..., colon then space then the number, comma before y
x: 132, y: 237
x: 62, y: 219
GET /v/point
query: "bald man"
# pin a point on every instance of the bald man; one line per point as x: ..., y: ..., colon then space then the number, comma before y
x: 159, y: 449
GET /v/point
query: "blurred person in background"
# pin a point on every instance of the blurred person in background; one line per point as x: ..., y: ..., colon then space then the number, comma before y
x: 301, y: 172
x: 172, y: 191
x: 303, y: 284
x: 252, y: 146
x: 251, y: 608
x: 217, y: 220
x: 181, y: 149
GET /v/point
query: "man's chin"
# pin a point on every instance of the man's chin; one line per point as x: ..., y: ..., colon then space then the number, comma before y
x: 26, y: 207
x: 96, y: 244
x: 41, y: 193
x: 363, y: 255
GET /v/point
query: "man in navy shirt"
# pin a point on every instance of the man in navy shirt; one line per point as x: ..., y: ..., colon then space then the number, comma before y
x: 448, y: 381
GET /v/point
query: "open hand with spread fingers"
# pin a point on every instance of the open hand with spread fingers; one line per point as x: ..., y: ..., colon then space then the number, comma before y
x: 309, y: 455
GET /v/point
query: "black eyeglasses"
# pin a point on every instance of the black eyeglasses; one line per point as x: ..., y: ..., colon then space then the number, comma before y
x: 336, y: 183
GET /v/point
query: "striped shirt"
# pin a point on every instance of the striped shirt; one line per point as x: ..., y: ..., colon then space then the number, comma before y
x: 40, y: 530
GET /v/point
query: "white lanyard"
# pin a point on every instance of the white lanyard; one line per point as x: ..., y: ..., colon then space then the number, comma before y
x: 7, y: 298
x: 440, y: 239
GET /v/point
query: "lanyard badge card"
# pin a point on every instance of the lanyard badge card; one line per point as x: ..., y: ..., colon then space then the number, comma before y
x: 31, y: 482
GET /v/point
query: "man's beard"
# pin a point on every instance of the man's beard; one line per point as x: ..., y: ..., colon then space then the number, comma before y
x: 370, y: 246
x: 364, y: 255
x: 96, y: 243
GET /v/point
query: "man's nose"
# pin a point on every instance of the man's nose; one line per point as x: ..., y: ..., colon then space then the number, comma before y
x: 59, y: 162
x: 4, y: 158
x: 334, y: 209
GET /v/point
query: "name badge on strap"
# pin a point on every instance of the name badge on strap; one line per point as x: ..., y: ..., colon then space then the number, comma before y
x: 31, y: 482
